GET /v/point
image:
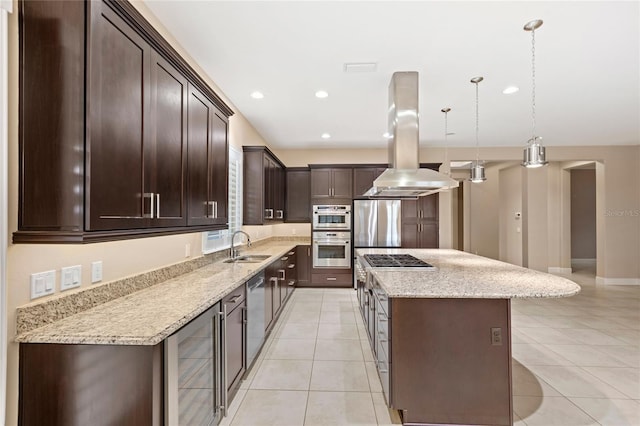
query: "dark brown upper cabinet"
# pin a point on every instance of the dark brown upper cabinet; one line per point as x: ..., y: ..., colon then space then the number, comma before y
x: 298, y: 200
x: 264, y: 186
x: 363, y: 178
x: 207, y: 162
x: 331, y: 183
x: 104, y: 136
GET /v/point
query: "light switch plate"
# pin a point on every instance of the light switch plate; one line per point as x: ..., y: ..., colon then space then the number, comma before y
x: 70, y: 277
x: 43, y: 284
x: 96, y: 271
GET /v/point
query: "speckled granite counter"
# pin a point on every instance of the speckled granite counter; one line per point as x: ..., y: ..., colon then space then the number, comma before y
x: 148, y: 316
x: 463, y: 275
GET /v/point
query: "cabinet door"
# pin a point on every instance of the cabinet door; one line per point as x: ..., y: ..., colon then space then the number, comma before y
x: 269, y: 181
x: 118, y: 102
x: 363, y: 178
x: 428, y: 235
x: 268, y: 298
x: 219, y: 169
x: 278, y: 193
x: 298, y: 200
x: 165, y: 154
x: 203, y: 125
x: 342, y: 183
x: 303, y: 265
x: 236, y: 346
x: 428, y: 206
x: 321, y: 183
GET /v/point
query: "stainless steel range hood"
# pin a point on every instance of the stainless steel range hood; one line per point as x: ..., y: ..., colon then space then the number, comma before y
x: 405, y: 178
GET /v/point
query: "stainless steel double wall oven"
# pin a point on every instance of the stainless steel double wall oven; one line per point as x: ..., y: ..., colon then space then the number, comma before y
x: 332, y: 236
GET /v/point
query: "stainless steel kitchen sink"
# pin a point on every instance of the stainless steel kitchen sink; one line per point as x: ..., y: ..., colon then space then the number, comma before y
x: 249, y: 258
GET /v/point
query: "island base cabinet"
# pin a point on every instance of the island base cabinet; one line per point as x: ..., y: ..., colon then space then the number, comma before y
x: 446, y: 366
x: 90, y: 385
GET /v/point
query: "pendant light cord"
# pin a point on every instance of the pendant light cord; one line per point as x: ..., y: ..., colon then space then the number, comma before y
x: 477, y: 127
x: 446, y: 144
x: 533, y: 86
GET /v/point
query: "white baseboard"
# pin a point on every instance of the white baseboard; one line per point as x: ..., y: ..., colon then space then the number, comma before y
x: 558, y: 270
x: 617, y: 281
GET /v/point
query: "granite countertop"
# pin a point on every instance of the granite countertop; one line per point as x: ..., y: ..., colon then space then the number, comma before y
x: 148, y: 316
x: 463, y: 275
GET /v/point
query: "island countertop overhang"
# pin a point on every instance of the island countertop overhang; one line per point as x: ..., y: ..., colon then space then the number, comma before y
x: 458, y: 274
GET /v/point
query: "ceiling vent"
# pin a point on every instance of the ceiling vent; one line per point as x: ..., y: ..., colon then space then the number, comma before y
x: 360, y: 67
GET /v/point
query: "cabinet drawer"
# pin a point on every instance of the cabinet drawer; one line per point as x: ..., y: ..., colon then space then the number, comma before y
x: 234, y: 298
x: 331, y: 279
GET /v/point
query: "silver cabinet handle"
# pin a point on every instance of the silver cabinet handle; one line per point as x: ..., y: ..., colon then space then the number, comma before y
x: 215, y: 209
x: 309, y: 251
x: 158, y: 206
x: 331, y: 278
x: 279, y: 214
x: 211, y: 209
x: 284, y: 258
x: 291, y: 253
x: 282, y: 274
x: 292, y: 283
x: 149, y: 195
x: 291, y: 266
x: 217, y: 349
x: 235, y: 298
x: 268, y: 213
x: 223, y: 375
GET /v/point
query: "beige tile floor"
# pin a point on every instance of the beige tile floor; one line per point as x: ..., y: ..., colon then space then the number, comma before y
x: 576, y: 361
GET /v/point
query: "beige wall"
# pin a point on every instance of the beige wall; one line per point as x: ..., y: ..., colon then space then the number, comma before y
x: 510, y: 196
x: 583, y: 214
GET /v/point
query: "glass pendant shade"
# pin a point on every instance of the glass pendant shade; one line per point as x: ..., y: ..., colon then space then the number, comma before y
x: 477, y: 172
x: 534, y: 156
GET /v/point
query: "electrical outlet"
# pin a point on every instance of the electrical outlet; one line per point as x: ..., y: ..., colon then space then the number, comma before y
x: 43, y: 284
x: 70, y: 277
x: 96, y: 271
x: 187, y: 250
x: 496, y: 336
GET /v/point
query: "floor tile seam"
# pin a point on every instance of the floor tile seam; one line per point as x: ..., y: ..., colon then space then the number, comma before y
x: 557, y: 397
x: 595, y: 349
x: 607, y: 383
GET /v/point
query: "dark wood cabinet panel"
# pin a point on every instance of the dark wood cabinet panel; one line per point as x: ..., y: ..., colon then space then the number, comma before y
x: 363, y: 178
x: 165, y: 154
x: 298, y: 199
x: 118, y: 110
x: 207, y: 162
x: 303, y: 265
x: 342, y: 183
x: 51, y: 165
x: 264, y: 186
x: 331, y: 183
x: 118, y: 384
x: 103, y: 133
x: 320, y: 183
x: 236, y: 347
x: 420, y: 224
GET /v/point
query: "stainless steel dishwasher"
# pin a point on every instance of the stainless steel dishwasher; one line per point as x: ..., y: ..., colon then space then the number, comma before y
x: 255, y: 316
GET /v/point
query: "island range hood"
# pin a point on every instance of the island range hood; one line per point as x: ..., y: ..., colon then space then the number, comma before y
x: 405, y: 178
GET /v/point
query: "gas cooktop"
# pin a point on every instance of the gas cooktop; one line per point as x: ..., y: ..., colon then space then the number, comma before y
x: 395, y: 261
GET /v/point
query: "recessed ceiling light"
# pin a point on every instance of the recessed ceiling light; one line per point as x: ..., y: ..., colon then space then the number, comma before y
x: 322, y: 94
x: 325, y: 136
x: 510, y: 90
x: 257, y: 95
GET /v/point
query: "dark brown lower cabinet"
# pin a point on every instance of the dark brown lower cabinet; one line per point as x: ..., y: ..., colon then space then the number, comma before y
x: 235, y: 308
x: 90, y: 385
x: 303, y: 265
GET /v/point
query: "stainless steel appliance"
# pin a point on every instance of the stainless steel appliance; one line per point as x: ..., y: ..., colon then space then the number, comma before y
x: 195, y: 386
x: 255, y: 316
x: 393, y: 261
x: 377, y: 223
x: 332, y: 249
x: 331, y: 217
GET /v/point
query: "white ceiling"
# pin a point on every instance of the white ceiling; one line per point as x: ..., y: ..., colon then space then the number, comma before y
x: 587, y: 56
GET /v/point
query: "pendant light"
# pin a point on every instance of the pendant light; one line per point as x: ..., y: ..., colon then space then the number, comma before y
x: 534, y: 153
x: 446, y: 144
x: 477, y: 167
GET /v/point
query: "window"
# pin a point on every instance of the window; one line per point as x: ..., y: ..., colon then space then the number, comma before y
x: 218, y: 240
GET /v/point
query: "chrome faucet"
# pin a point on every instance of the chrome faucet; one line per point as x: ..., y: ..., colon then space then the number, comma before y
x: 233, y: 252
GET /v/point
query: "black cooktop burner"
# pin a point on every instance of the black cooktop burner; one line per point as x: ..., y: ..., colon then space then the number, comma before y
x: 395, y: 261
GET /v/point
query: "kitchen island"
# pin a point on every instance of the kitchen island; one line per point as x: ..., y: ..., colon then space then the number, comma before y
x: 441, y: 335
